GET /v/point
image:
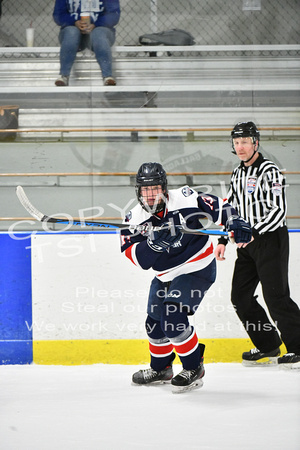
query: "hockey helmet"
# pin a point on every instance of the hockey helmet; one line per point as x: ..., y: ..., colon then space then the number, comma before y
x: 151, y: 174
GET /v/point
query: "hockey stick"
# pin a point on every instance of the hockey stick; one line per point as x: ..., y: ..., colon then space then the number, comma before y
x: 41, y: 217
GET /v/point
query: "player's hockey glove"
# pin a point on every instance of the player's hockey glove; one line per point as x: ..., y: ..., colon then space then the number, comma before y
x: 161, y: 240
x: 241, y: 229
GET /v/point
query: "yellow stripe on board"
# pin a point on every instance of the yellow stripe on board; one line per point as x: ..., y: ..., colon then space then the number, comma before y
x: 127, y: 351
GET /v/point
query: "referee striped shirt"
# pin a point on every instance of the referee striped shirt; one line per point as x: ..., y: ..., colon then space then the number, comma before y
x: 258, y: 194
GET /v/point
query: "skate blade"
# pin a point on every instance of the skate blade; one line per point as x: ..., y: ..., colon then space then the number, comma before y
x: 269, y: 361
x: 290, y: 366
x: 154, y: 383
x: 181, y: 389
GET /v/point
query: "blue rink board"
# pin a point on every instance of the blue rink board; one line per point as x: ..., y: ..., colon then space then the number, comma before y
x: 15, y: 299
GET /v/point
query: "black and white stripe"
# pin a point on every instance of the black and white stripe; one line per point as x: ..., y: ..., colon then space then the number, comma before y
x: 265, y: 207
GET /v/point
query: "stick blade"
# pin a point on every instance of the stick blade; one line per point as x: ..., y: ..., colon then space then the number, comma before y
x: 204, y: 231
x: 27, y: 204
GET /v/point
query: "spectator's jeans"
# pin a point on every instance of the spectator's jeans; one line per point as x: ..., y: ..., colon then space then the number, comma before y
x: 99, y: 41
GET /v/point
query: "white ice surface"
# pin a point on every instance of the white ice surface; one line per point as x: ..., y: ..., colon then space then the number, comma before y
x: 96, y: 407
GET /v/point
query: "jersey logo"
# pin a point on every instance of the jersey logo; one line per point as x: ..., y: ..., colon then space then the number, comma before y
x: 128, y: 216
x: 276, y: 188
x: 251, y: 184
x: 172, y: 294
x: 187, y: 191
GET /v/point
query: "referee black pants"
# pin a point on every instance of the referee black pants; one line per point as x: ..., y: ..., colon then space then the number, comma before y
x: 265, y: 260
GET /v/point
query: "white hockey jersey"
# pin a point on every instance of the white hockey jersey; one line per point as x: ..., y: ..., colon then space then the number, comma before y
x: 193, y: 252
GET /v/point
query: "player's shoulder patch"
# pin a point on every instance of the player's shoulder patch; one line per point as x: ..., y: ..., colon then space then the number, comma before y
x: 187, y: 191
x: 183, y: 197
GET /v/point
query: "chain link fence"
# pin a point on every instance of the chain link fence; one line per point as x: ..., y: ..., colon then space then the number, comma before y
x: 212, y: 22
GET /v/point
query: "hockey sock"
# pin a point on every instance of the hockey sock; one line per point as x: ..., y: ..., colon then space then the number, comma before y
x: 161, y: 349
x: 182, y: 335
x: 188, y: 349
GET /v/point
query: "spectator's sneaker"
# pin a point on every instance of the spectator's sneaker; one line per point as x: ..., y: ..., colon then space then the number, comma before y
x: 289, y: 361
x: 62, y: 81
x: 187, y: 380
x: 257, y: 358
x: 109, y: 81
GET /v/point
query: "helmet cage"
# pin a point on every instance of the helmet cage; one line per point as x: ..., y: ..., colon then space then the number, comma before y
x: 151, y: 174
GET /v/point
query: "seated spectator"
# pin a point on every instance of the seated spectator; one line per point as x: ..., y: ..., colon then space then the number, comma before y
x: 86, y: 24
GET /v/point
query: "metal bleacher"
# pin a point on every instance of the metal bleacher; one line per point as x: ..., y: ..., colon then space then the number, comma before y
x: 178, y: 88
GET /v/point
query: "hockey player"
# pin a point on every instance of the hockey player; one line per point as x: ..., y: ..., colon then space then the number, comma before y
x: 257, y: 191
x: 184, y: 267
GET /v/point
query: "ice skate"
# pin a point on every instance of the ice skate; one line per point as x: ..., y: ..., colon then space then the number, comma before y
x: 257, y: 358
x: 289, y: 361
x: 188, y: 380
x: 150, y: 376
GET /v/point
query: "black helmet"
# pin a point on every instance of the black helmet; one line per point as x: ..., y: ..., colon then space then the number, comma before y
x: 151, y: 174
x: 245, y: 129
